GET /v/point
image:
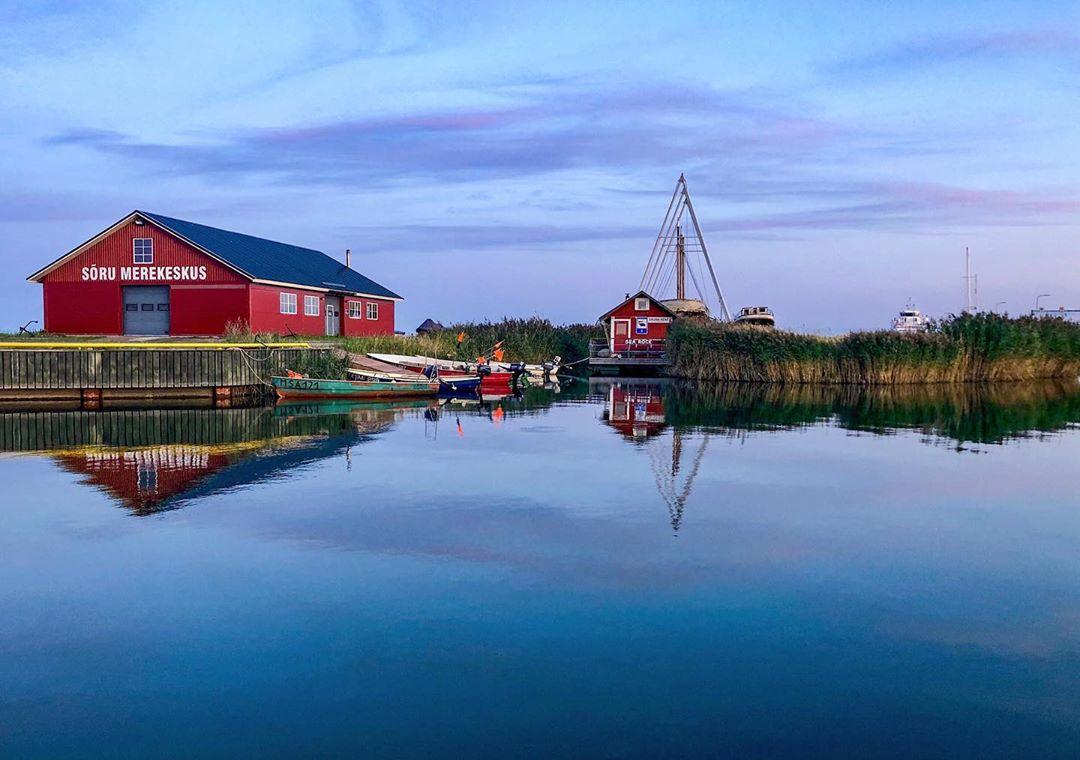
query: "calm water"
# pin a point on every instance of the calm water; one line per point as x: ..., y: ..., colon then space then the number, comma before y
x: 616, y: 570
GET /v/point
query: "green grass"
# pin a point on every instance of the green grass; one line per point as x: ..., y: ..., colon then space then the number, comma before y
x: 328, y: 365
x: 968, y: 347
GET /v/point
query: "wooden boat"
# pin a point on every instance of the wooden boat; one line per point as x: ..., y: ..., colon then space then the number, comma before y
x: 448, y: 385
x: 459, y: 385
x: 310, y: 387
x: 452, y: 370
x: 534, y: 371
x: 388, y: 377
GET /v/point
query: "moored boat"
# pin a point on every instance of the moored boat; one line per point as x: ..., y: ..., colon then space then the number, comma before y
x: 757, y: 316
x: 534, y: 371
x: 452, y: 384
x: 910, y: 320
x: 490, y: 377
x: 310, y: 387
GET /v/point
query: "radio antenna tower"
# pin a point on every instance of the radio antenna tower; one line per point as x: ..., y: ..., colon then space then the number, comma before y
x: 971, y: 284
x: 677, y: 244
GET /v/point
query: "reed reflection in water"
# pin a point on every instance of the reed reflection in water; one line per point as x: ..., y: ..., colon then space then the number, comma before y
x: 156, y: 460
x: 644, y: 410
x: 962, y: 413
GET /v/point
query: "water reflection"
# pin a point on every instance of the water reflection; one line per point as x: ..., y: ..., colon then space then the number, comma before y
x: 530, y: 562
x: 155, y: 460
x: 637, y: 409
x: 642, y: 410
x: 955, y: 414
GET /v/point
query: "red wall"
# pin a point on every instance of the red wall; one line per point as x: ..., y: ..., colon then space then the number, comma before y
x: 656, y: 332
x: 116, y: 251
x: 384, y: 325
x: 83, y: 308
x: 266, y: 316
x: 197, y: 306
x: 206, y: 309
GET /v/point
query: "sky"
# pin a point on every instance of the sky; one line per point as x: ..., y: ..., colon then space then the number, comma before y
x: 511, y: 159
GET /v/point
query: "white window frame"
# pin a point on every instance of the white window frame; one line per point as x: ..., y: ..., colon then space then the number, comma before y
x: 638, y: 304
x: 287, y: 302
x: 311, y: 306
x: 135, y: 251
x: 371, y: 310
x: 353, y: 309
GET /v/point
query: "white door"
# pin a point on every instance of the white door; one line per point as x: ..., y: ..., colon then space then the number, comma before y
x: 620, y: 333
x: 333, y: 315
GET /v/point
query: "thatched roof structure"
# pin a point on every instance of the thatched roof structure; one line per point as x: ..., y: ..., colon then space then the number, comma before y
x: 429, y: 325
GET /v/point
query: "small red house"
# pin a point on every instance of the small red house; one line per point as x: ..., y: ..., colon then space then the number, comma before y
x: 153, y: 275
x: 638, y: 326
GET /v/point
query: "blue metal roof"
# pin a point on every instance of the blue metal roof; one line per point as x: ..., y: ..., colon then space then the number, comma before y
x: 269, y: 260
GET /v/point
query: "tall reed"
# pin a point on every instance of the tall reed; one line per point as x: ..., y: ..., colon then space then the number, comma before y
x: 963, y: 348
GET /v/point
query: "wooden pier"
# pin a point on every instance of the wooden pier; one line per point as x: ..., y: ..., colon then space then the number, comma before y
x: 87, y: 376
x: 627, y: 362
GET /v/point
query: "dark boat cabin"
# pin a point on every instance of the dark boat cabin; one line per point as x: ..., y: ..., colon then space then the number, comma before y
x: 638, y: 327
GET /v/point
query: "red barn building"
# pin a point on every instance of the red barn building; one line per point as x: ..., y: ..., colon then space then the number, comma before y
x: 638, y: 327
x: 152, y: 275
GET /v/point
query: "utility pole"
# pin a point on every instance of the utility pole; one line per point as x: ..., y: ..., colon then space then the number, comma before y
x: 971, y: 284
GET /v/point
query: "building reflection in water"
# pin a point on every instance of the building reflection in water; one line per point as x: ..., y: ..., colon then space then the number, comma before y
x: 152, y: 460
x: 635, y: 408
x: 673, y: 421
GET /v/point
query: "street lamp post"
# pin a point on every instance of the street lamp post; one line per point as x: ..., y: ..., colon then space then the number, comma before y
x: 999, y: 303
x: 1041, y: 295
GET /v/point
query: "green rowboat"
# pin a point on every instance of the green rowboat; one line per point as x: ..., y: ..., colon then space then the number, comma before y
x: 309, y: 387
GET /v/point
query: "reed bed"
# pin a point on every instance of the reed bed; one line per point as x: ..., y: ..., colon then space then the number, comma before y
x: 963, y: 348
x: 529, y: 340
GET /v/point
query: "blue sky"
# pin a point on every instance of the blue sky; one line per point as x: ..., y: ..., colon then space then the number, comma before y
x: 490, y: 159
